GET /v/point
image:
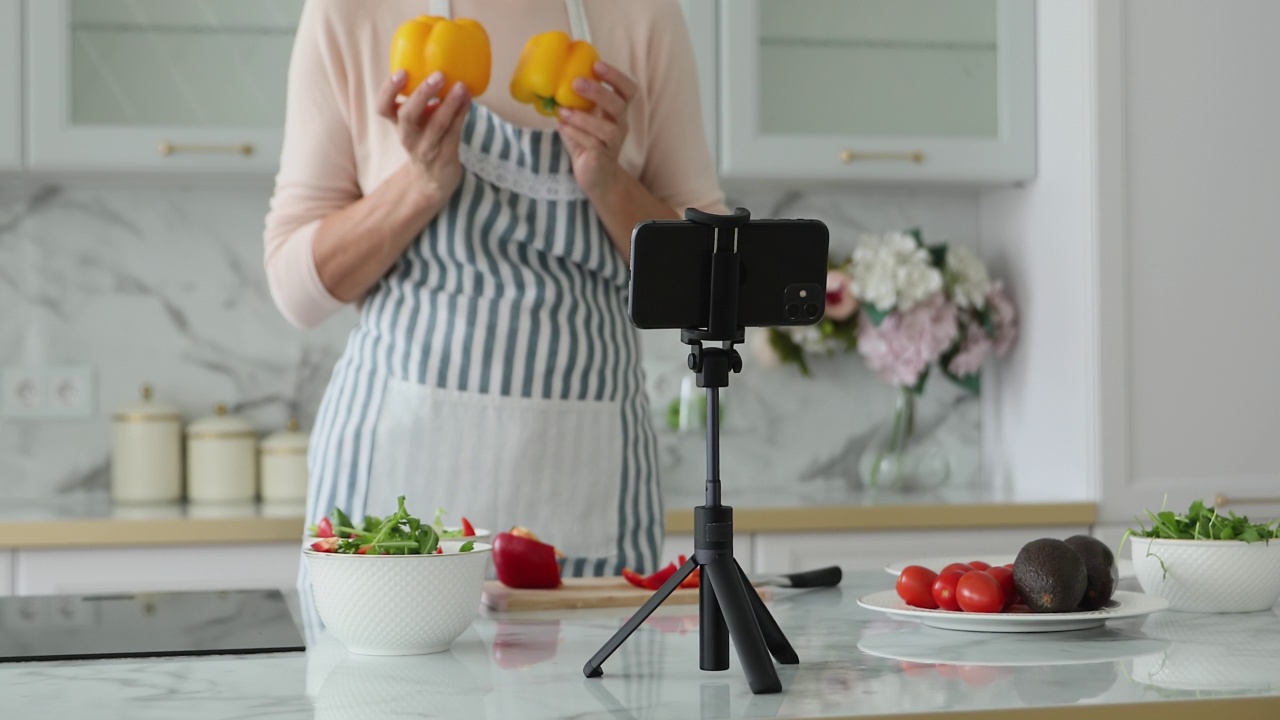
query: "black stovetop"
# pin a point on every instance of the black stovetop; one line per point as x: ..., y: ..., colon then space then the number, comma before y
x: 63, y: 627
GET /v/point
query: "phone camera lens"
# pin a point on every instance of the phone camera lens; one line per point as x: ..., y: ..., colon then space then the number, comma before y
x: 793, y: 311
x: 811, y: 309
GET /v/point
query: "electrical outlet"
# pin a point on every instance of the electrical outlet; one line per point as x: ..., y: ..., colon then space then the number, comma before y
x: 52, y: 391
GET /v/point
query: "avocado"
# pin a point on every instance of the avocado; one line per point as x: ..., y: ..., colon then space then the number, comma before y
x: 1050, y: 576
x: 1100, y: 566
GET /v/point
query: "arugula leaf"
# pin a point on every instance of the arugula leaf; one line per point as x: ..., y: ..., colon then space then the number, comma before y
x: 467, y: 546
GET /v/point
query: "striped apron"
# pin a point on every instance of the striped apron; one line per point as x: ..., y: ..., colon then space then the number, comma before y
x: 494, y: 373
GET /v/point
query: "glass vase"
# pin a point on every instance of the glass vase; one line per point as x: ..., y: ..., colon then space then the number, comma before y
x: 901, y: 456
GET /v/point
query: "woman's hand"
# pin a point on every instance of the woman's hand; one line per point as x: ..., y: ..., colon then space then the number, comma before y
x: 595, y: 138
x: 429, y: 130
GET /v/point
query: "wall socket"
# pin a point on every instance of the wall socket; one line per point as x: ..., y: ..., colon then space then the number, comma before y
x: 46, y: 391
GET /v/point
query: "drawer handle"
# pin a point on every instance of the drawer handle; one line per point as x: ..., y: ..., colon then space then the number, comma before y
x: 847, y: 156
x: 1221, y: 500
x: 168, y: 148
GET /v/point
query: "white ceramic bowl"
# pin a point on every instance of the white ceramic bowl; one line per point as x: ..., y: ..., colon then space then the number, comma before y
x: 398, y: 604
x: 1211, y: 576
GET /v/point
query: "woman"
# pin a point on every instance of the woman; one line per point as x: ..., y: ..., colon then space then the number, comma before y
x: 493, y: 371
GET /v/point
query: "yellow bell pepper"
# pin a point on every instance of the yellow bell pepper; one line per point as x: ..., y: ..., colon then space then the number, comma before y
x: 549, y: 64
x: 458, y: 48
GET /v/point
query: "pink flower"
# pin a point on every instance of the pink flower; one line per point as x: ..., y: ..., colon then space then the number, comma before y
x: 1004, y: 316
x: 841, y: 304
x: 908, y: 342
x: 974, y: 346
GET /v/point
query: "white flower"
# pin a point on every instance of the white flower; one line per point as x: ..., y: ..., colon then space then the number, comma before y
x: 967, y: 278
x: 810, y: 339
x: 892, y: 270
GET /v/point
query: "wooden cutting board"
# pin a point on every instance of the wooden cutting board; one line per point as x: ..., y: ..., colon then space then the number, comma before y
x: 578, y: 593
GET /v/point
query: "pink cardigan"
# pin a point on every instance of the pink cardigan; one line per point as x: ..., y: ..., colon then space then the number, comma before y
x: 336, y: 147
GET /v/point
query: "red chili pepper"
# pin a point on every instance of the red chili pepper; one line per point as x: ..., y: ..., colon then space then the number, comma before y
x: 525, y: 563
x: 327, y: 544
x: 633, y: 577
x: 654, y: 581
x: 467, y: 529
x: 324, y: 528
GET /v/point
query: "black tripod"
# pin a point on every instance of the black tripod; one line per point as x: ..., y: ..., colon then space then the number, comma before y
x: 728, y: 604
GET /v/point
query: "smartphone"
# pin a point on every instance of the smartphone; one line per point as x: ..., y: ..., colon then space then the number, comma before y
x: 782, y: 276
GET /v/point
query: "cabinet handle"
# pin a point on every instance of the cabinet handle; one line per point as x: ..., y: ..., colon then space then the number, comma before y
x: 847, y: 156
x: 1221, y: 500
x: 168, y: 148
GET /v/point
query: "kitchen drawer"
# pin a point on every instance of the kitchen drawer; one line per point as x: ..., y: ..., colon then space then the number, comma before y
x: 789, y: 552
x: 6, y: 572
x: 156, y: 569
x: 677, y: 545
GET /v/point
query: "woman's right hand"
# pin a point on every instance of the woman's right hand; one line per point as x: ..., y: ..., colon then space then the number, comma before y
x: 429, y: 131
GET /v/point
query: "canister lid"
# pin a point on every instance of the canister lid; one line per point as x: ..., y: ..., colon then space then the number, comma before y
x: 221, y: 424
x: 286, y: 442
x: 147, y: 410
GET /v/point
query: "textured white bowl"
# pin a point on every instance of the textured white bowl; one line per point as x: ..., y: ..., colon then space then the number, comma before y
x: 1211, y: 576
x: 398, y: 604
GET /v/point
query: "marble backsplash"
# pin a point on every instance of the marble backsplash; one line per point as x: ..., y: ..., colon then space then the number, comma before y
x: 165, y: 286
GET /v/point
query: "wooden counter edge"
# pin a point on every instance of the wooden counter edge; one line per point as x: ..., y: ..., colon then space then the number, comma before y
x: 117, y: 532
x: 896, y: 517
x: 1172, y: 709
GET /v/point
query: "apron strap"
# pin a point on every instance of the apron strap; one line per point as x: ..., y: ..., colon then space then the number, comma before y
x: 578, y: 26
x: 440, y: 8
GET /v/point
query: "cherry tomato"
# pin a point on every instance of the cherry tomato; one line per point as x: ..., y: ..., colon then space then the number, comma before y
x: 962, y: 567
x: 915, y: 587
x: 944, y: 589
x: 1010, y: 566
x: 979, y: 592
x: 1004, y: 576
x: 979, y: 565
x: 979, y: 675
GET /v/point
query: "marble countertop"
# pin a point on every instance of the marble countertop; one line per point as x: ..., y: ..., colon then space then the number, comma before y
x: 854, y: 663
x: 78, y: 521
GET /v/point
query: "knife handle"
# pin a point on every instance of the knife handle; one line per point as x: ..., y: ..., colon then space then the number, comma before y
x: 822, y: 577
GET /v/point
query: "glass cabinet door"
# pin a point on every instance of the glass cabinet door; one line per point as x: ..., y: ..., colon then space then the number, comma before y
x: 159, y: 83
x: 878, y: 89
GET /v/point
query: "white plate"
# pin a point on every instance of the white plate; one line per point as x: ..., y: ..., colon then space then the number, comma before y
x: 1123, y: 565
x: 1123, y: 605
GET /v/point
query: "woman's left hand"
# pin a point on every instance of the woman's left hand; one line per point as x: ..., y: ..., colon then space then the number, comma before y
x: 595, y: 138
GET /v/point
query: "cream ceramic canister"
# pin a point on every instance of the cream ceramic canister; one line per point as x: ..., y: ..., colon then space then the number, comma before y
x: 146, y: 452
x: 282, y: 465
x: 222, y: 463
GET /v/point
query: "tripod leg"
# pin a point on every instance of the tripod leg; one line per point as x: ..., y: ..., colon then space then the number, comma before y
x: 712, y: 634
x: 777, y: 641
x: 593, y: 666
x: 762, y: 676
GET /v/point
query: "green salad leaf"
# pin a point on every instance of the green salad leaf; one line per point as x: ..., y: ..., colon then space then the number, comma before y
x: 1204, y: 523
x: 398, y: 534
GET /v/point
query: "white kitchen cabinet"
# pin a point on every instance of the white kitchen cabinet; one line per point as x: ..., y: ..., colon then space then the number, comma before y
x: 156, y: 569
x: 10, y: 83
x: 6, y: 572
x: 1189, y: 400
x: 792, y: 552
x: 157, y: 84
x: 887, y: 90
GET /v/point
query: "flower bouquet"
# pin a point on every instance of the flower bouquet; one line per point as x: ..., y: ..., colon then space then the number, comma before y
x: 905, y: 307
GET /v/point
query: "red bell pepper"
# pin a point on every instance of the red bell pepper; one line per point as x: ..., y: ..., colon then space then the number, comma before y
x: 467, y: 529
x: 633, y: 577
x: 522, y: 562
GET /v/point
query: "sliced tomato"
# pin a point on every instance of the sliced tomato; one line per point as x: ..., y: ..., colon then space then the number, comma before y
x: 327, y: 544
x: 633, y: 577
x: 324, y: 528
x: 467, y: 529
x: 364, y: 550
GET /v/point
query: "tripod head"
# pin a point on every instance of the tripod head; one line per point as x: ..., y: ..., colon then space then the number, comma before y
x: 713, y: 365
